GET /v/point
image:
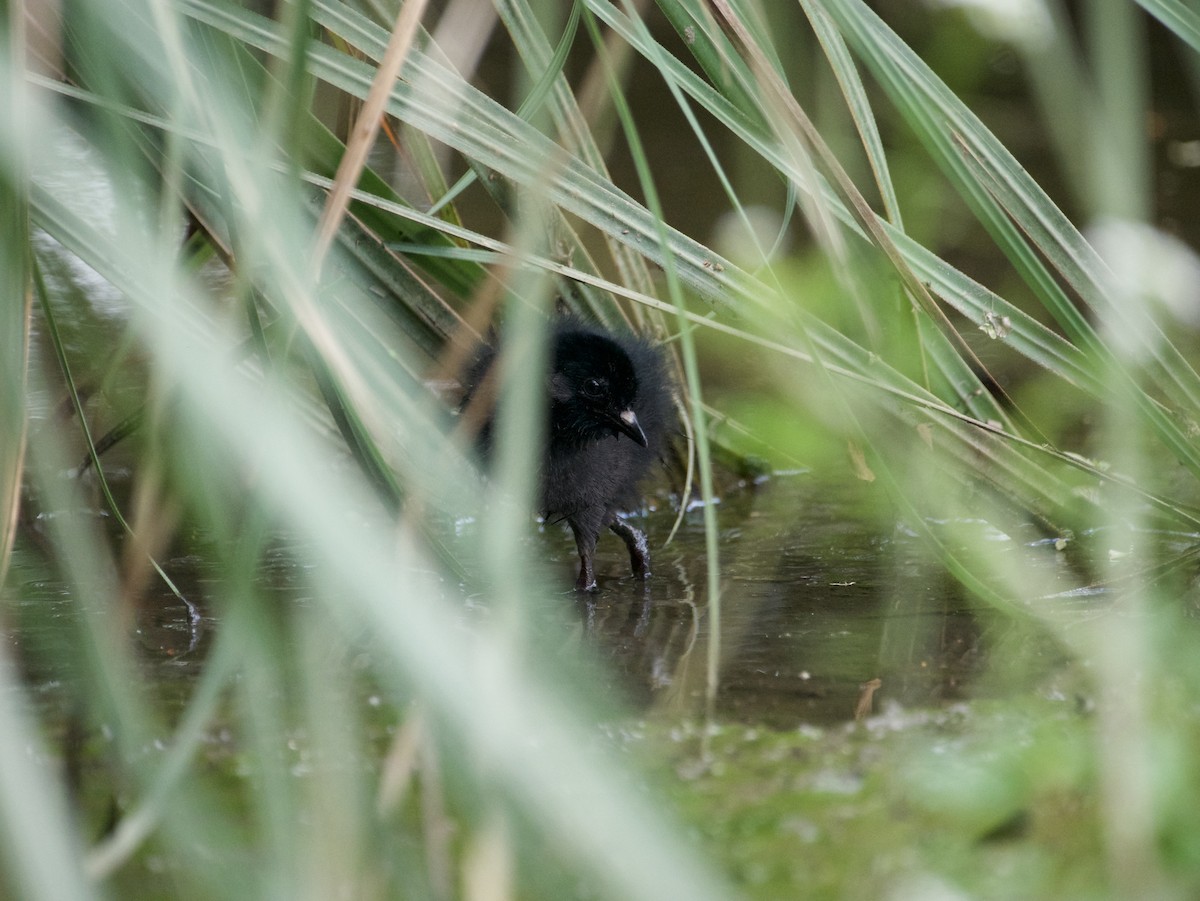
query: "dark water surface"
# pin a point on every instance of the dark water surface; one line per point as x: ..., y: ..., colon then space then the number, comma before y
x: 815, y: 603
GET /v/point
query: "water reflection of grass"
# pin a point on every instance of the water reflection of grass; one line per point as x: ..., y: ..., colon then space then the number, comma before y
x: 283, y: 325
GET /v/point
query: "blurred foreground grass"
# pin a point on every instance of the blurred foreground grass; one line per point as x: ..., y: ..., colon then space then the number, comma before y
x: 270, y: 319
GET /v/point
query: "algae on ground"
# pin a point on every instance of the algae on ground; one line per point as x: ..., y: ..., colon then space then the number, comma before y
x: 982, y: 799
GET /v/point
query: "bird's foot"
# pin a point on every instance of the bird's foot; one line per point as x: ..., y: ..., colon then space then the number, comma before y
x: 639, y: 562
x: 639, y: 548
x: 587, y: 576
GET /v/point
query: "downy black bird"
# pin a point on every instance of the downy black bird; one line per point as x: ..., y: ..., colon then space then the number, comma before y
x: 608, y: 406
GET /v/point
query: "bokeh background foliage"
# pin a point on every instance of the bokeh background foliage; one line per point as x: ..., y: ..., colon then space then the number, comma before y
x: 307, y: 213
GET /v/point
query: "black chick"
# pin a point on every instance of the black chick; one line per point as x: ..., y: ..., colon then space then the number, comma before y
x: 609, y: 404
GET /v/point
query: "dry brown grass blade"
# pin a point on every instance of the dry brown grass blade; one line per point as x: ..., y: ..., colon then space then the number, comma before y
x: 366, y: 126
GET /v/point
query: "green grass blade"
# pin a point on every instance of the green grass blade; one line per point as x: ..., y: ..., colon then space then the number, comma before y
x: 848, y: 361
x: 972, y: 300
x: 1182, y: 18
x: 15, y: 312
x: 42, y: 854
x: 699, y: 419
x: 998, y: 188
x: 860, y: 107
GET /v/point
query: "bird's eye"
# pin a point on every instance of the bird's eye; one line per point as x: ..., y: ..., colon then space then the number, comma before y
x: 593, y: 388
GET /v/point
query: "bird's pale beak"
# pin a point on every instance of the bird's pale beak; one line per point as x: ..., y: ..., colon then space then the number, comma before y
x: 627, y: 422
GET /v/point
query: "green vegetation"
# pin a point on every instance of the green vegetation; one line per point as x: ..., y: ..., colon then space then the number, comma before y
x: 241, y: 255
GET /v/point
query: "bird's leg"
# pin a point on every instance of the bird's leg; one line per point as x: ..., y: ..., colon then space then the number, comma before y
x: 639, y: 548
x: 585, y: 542
x: 587, y: 575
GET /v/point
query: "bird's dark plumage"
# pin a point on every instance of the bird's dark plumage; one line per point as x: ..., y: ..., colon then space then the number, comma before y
x: 609, y: 403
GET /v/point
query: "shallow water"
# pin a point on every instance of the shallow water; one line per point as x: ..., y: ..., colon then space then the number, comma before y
x: 815, y: 603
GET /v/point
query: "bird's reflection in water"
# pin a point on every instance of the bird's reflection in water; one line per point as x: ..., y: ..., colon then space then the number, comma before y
x: 808, y: 617
x: 649, y: 639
